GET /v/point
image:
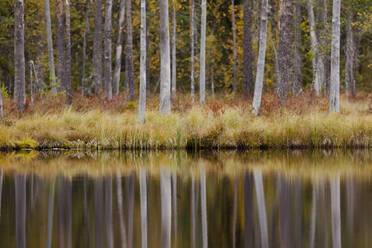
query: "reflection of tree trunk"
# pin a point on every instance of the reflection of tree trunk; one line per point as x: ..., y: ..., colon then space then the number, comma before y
x: 119, y: 192
x: 166, y: 208
x: 248, y: 208
x: 285, y: 219
x: 298, y: 211
x: 313, y: 216
x: 235, y: 209
x: 61, y: 213
x: 108, y: 211
x: 350, y: 199
x: 50, y: 215
x: 193, y: 214
x: 261, y: 208
x: 1, y: 187
x: 143, y: 197
x: 336, y: 212
x: 20, y: 205
x: 130, y: 206
x: 174, y: 196
x: 275, y: 212
x: 203, y: 195
x: 98, y: 210
x: 86, y: 209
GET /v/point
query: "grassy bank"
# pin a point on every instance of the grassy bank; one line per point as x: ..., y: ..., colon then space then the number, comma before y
x: 230, y: 127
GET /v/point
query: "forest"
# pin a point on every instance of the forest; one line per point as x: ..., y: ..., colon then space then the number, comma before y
x: 84, y: 73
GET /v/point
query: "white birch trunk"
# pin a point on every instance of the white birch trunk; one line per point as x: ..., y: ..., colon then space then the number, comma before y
x: 334, y: 98
x: 165, y: 75
x: 202, y: 51
x: 336, y: 212
x: 143, y: 197
x: 317, y: 84
x: 107, y: 50
x: 174, y: 51
x: 119, y: 49
x: 261, y: 60
x: 261, y: 209
x: 143, y: 55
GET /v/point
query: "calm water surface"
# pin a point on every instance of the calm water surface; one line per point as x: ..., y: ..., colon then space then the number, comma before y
x: 173, y: 200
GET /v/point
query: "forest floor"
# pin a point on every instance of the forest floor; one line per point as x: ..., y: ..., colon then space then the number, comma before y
x: 223, y: 123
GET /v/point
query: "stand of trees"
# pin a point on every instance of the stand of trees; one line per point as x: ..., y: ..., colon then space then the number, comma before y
x: 288, y: 45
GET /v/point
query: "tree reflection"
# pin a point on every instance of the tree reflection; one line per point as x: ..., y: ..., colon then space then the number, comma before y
x: 336, y: 212
x: 143, y: 200
x: 50, y: 215
x: 108, y: 210
x: 20, y: 211
x: 166, y: 208
x: 98, y: 213
x: 203, y: 192
x: 123, y: 237
x: 261, y: 208
x: 248, y: 210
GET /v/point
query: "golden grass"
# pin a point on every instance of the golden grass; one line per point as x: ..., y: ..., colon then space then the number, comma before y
x: 214, y: 126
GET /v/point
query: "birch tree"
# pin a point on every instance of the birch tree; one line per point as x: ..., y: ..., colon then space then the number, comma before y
x: 86, y: 29
x: 19, y: 56
x: 174, y: 51
x: 129, y: 72
x: 334, y: 97
x: 60, y: 43
x: 350, y: 52
x: 316, y: 61
x: 285, y: 42
x: 119, y: 49
x: 68, y: 55
x: 165, y: 77
x: 97, y: 46
x: 202, y: 51
x: 261, y: 59
x: 248, y: 51
x: 52, y: 75
x: 143, y: 55
x: 192, y: 25
x: 234, y: 46
x: 297, y: 59
x: 107, y: 52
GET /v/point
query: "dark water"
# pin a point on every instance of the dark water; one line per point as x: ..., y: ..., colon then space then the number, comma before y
x: 189, y: 207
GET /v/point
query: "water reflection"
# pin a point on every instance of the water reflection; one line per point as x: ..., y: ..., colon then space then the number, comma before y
x: 207, y: 208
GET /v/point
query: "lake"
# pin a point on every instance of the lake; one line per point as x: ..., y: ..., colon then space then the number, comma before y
x: 181, y: 199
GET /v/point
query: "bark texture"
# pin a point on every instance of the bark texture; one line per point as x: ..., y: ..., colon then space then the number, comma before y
x: 192, y: 25
x: 119, y: 49
x: 334, y: 100
x: 60, y: 43
x: 68, y: 55
x: 129, y: 77
x: 143, y: 55
x: 297, y: 58
x: 202, y: 51
x: 285, y: 43
x: 165, y: 77
x: 97, y: 46
x: 107, y: 53
x: 174, y: 51
x: 86, y: 29
x: 19, y: 56
x: 261, y: 59
x: 248, y: 51
x: 350, y: 51
x: 235, y: 86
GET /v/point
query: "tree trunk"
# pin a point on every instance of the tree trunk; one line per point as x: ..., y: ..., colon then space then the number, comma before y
x: 19, y: 56
x: 97, y: 46
x: 261, y: 209
x: 317, y: 83
x: 285, y: 42
x: 60, y: 43
x: 261, y: 60
x: 143, y: 55
x: 234, y: 46
x: 297, y: 58
x: 129, y: 53
x: 1, y: 108
x: 334, y: 97
x: 166, y: 207
x: 174, y: 51
x: 68, y: 56
x: 192, y: 25
x: 350, y: 57
x: 248, y: 51
x: 165, y: 79
x: 119, y: 49
x: 52, y: 75
x: 143, y: 194
x: 202, y: 51
x: 107, y: 53
x: 86, y: 29
x: 336, y: 211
